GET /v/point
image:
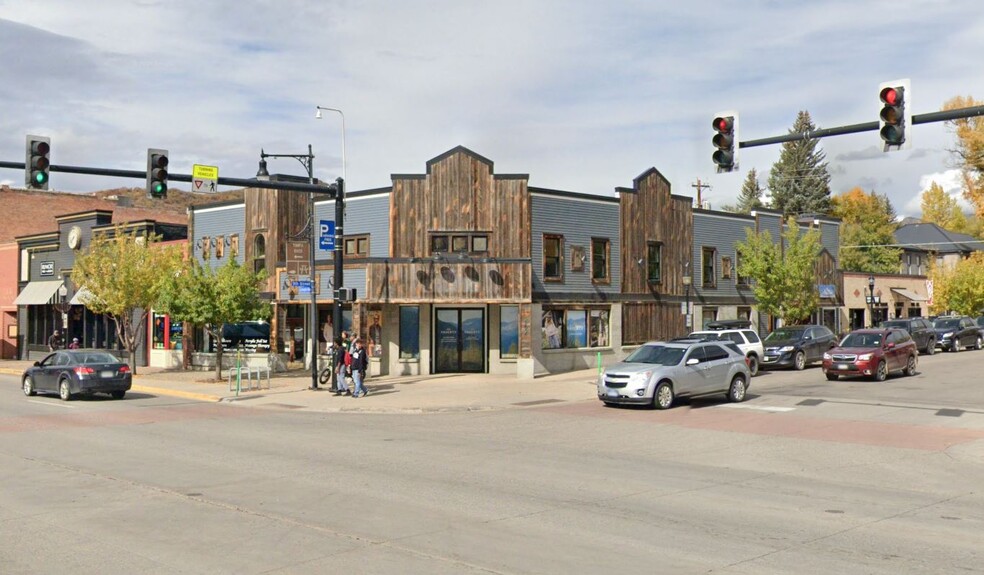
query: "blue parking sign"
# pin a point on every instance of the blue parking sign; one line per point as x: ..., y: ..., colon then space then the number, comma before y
x: 327, y: 239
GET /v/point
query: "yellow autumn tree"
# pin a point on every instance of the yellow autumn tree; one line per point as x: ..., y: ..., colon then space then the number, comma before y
x: 941, y: 209
x: 969, y: 151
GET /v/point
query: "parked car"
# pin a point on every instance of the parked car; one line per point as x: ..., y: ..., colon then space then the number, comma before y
x: 954, y: 332
x: 920, y: 329
x: 746, y: 339
x: 796, y: 346
x: 73, y: 371
x: 659, y: 372
x: 872, y: 352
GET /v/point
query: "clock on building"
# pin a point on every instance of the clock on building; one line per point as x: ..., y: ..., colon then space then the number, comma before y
x: 75, y: 237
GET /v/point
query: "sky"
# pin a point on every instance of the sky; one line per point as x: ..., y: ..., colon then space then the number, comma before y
x: 583, y: 96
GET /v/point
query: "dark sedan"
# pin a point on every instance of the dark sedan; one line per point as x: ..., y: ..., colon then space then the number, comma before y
x: 796, y: 346
x: 75, y: 371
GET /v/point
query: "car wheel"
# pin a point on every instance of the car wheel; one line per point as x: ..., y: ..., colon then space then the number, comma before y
x: 65, y: 389
x: 881, y: 372
x: 799, y: 362
x: 29, y: 386
x: 955, y: 346
x: 753, y: 365
x: 931, y: 348
x: 910, y: 366
x: 736, y: 393
x: 978, y: 344
x: 663, y: 397
x: 832, y: 377
x: 118, y: 394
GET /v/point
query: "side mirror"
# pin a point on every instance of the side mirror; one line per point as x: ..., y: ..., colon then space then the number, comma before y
x: 890, y: 345
x: 693, y: 361
x: 37, y: 364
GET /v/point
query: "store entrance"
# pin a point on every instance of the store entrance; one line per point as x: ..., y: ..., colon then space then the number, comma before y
x: 459, y: 341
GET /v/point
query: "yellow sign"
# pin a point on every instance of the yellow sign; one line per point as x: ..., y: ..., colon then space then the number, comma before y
x: 200, y: 172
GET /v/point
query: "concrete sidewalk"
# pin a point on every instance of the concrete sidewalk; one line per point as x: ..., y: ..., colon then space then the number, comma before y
x: 387, y: 394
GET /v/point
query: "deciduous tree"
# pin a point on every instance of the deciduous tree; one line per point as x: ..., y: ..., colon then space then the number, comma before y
x: 867, y: 230
x: 969, y: 151
x: 959, y: 289
x: 212, y: 298
x: 784, y: 278
x: 941, y: 209
x: 122, y: 274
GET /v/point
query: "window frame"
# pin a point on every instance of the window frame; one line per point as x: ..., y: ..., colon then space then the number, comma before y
x: 259, y: 253
x: 704, y: 260
x: 606, y: 244
x: 654, y: 247
x: 559, y: 238
x: 356, y: 240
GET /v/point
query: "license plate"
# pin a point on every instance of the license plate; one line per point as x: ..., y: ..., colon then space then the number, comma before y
x: 612, y: 393
x: 107, y: 373
x: 843, y: 366
x: 769, y: 358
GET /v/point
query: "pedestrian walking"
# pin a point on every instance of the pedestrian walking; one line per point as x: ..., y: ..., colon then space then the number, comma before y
x: 55, y: 342
x: 341, y: 357
x: 360, y: 362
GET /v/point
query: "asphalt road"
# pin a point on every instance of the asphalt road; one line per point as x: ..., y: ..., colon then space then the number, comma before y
x: 808, y: 476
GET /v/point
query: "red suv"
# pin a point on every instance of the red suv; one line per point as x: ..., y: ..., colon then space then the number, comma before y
x: 872, y: 352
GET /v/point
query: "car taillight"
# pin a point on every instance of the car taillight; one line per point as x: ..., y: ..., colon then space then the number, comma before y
x: 748, y: 362
x: 125, y: 369
x: 83, y: 370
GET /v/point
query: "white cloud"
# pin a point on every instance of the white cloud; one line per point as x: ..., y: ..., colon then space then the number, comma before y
x: 949, y: 180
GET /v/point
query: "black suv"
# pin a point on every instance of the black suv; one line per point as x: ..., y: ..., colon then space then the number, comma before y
x: 921, y: 330
x: 796, y: 346
x: 955, y: 331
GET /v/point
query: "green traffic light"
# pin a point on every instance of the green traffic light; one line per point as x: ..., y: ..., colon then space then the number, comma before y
x: 40, y: 178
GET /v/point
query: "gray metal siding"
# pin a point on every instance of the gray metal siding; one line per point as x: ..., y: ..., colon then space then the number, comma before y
x: 830, y: 239
x: 222, y: 221
x: 578, y: 220
x: 363, y: 215
x: 722, y: 233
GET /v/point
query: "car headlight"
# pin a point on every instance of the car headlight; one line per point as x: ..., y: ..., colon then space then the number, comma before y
x: 641, y: 378
x: 786, y: 348
x: 826, y: 355
x: 864, y: 357
x: 948, y: 334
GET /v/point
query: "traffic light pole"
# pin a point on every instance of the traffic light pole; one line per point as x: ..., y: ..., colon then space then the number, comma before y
x: 865, y: 127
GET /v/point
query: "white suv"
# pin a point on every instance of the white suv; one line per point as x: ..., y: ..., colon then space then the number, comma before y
x: 747, y: 340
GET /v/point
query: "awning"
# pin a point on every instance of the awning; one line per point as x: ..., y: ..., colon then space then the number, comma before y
x: 81, y: 297
x: 908, y: 294
x: 38, y: 293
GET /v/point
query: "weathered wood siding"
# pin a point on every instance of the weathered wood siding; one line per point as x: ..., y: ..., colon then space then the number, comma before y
x: 448, y: 281
x: 649, y: 212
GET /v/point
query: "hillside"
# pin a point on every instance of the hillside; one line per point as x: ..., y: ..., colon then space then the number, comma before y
x: 177, y: 200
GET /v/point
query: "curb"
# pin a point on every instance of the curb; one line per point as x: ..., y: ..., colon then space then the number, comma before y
x: 175, y: 393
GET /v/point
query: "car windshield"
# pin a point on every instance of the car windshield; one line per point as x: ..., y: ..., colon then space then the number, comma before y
x: 657, y: 354
x: 784, y: 334
x: 947, y: 323
x: 895, y: 323
x: 862, y: 340
x: 96, y: 357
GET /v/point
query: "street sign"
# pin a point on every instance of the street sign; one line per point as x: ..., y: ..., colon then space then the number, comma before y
x: 204, y: 178
x: 303, y: 287
x: 327, y: 241
x: 298, y: 251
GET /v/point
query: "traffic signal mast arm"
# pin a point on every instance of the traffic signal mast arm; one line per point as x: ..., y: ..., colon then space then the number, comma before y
x: 865, y: 127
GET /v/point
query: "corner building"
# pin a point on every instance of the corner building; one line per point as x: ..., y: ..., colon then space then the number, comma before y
x: 460, y: 269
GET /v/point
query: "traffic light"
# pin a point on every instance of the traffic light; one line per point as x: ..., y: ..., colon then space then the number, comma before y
x: 36, y: 163
x: 895, y: 116
x: 725, y: 141
x: 156, y: 173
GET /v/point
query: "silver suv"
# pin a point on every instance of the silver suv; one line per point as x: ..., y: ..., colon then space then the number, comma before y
x: 658, y: 372
x: 746, y: 340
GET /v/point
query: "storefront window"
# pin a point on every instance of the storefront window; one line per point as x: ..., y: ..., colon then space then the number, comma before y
x: 159, y: 333
x: 577, y: 328
x: 574, y: 328
x: 509, y: 331
x: 598, y: 327
x: 409, y: 332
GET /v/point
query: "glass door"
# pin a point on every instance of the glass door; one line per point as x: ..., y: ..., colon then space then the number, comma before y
x: 459, y: 341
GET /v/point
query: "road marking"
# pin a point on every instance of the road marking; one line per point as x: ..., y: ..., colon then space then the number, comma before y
x: 52, y: 404
x: 757, y: 407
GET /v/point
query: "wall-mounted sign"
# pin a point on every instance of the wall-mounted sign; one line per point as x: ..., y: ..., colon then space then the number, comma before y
x: 47, y: 269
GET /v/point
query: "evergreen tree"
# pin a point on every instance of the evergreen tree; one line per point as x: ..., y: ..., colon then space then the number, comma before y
x: 799, y: 181
x: 750, y: 197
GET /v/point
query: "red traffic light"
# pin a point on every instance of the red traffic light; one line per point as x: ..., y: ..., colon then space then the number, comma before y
x: 723, y: 124
x: 891, y: 96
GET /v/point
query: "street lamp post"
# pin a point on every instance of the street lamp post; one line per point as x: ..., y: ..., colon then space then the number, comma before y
x: 307, y: 160
x: 686, y: 282
x: 338, y: 260
x: 871, y: 299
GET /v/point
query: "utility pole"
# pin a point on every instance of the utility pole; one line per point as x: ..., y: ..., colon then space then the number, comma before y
x: 700, y: 186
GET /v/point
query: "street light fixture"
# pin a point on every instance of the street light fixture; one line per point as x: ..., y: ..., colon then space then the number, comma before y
x: 306, y: 160
x: 871, y: 299
x: 338, y: 254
